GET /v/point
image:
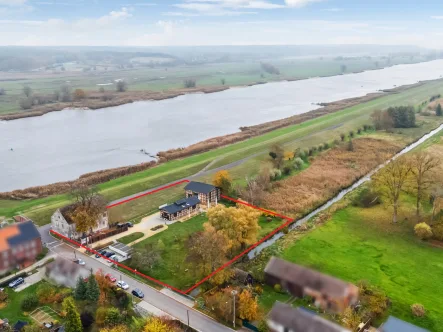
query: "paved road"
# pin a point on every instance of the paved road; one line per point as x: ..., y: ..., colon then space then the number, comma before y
x: 154, y: 297
x: 205, y: 170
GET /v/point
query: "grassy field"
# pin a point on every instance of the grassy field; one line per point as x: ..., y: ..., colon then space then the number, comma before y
x: 206, y: 75
x: 131, y: 237
x: 307, y: 134
x: 13, y: 311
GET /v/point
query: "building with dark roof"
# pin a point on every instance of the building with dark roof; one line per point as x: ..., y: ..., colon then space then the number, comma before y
x: 62, y: 222
x: 185, y: 207
x: 329, y: 293
x: 284, y: 317
x: 206, y: 193
x: 395, y: 325
x: 20, y: 244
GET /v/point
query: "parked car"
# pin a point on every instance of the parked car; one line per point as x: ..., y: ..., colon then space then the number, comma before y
x: 110, y: 277
x: 79, y: 262
x: 129, y: 224
x: 122, y: 285
x: 137, y: 292
x: 113, y: 257
x: 102, y: 253
x: 16, y: 282
x: 120, y: 225
x: 108, y: 254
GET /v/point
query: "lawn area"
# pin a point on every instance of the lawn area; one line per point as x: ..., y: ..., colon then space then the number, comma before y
x: 361, y: 244
x: 131, y: 237
x: 173, y: 269
x: 12, y: 311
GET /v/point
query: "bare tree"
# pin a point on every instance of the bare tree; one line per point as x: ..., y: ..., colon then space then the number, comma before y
x: 122, y: 86
x: 27, y: 91
x: 391, y: 180
x: 423, y: 166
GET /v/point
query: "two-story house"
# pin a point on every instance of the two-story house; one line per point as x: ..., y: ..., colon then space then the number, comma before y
x: 20, y: 244
x: 62, y: 222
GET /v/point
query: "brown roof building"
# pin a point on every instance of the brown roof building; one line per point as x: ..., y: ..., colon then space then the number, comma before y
x: 329, y: 293
x: 283, y: 317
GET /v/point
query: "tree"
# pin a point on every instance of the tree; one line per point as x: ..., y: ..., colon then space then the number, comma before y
x: 26, y: 103
x: 112, y: 317
x: 101, y: 90
x: 207, y: 251
x: 247, y: 306
x: 343, y: 68
x: 277, y: 154
x: 382, y: 120
x: 79, y: 94
x: 438, y: 110
x: 122, y: 86
x: 255, y: 187
x: 80, y: 289
x: 391, y: 180
x: 423, y: 166
x: 93, y: 291
x: 146, y: 257
x: 402, y: 116
x: 220, y: 303
x: 87, y: 319
x: 350, y: 319
x: 27, y: 91
x: 189, y: 83
x: 223, y: 81
x: 223, y: 180
x: 423, y: 231
x: 418, y: 310
x: 72, y: 319
x: 65, y: 93
x: 342, y: 137
x: 100, y: 316
x: 104, y: 286
x: 29, y: 302
x: 155, y: 324
x: 270, y: 68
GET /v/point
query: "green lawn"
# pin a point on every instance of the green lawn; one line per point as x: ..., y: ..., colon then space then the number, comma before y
x: 12, y: 311
x: 131, y: 237
x: 362, y: 245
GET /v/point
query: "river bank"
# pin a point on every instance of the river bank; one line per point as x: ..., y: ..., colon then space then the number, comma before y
x: 97, y: 177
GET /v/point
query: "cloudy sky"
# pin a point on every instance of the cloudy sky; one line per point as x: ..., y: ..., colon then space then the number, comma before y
x: 221, y: 22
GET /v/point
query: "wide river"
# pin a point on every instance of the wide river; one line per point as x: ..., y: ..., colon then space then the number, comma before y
x: 63, y: 145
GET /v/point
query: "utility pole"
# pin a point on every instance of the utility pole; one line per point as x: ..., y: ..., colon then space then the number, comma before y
x: 187, y: 313
x: 75, y: 255
x: 234, y: 292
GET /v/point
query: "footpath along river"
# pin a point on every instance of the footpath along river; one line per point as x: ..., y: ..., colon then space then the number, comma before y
x: 253, y: 253
x: 61, y: 146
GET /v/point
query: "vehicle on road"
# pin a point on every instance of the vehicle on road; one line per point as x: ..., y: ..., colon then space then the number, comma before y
x: 79, y: 261
x: 102, y: 253
x: 110, y: 277
x: 123, y: 285
x: 137, y: 292
x: 16, y: 282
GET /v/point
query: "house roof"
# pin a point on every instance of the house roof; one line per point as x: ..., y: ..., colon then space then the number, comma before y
x: 200, y: 187
x: 17, y: 234
x: 181, y: 205
x: 306, y: 278
x: 394, y: 325
x: 301, y: 320
x: 66, y: 212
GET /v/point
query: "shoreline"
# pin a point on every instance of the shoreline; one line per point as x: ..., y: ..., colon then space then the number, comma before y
x: 146, y: 95
x: 102, y: 176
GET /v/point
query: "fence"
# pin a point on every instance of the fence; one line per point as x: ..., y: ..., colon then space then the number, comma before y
x: 103, y: 235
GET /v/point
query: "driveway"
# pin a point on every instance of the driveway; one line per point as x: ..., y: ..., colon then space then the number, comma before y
x: 31, y: 280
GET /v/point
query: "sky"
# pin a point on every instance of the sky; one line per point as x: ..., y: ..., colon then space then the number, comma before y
x: 221, y: 22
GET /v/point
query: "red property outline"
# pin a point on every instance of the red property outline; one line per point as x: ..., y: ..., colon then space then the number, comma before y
x: 159, y: 282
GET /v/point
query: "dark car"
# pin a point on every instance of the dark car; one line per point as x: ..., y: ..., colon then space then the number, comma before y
x: 137, y: 292
x: 108, y: 254
x: 16, y: 282
x: 103, y: 253
x: 120, y: 225
x: 129, y: 224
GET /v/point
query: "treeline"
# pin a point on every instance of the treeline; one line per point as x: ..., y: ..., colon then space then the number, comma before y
x: 394, y: 117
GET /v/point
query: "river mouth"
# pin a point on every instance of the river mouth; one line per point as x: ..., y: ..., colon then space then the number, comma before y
x: 61, y: 146
x: 296, y: 223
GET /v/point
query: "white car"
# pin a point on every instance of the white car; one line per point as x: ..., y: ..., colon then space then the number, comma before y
x: 122, y: 285
x: 80, y: 262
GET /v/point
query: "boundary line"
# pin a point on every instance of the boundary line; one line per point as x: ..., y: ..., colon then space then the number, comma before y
x: 161, y: 283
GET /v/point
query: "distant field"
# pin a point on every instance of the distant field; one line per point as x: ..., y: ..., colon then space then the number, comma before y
x: 309, y: 133
x: 162, y: 78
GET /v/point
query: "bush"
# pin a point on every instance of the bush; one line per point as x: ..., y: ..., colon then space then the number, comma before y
x: 350, y: 146
x: 112, y: 317
x: 351, y: 134
x: 275, y: 174
x: 286, y: 170
x: 298, y: 163
x: 3, y: 296
x: 122, y: 86
x: 320, y: 148
x: 87, y: 319
x: 438, y: 110
x: 29, y: 302
x: 189, y: 83
x: 423, y: 231
x: 366, y: 198
x: 156, y: 227
x: 359, y: 131
x: 326, y: 146
x: 418, y: 310
x: 277, y: 288
x: 342, y: 137
x: 437, y: 230
x: 365, y: 127
x: 26, y: 103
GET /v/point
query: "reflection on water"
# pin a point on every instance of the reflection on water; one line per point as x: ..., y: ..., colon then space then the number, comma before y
x: 63, y: 145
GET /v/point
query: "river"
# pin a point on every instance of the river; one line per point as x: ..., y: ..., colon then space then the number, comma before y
x: 61, y: 146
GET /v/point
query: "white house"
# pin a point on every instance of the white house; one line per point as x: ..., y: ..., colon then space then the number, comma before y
x: 62, y: 223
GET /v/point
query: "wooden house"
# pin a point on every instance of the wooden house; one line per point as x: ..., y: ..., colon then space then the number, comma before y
x: 180, y: 209
x: 207, y: 194
x: 329, y: 293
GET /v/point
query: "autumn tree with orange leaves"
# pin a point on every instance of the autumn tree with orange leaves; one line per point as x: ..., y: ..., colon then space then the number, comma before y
x: 223, y: 180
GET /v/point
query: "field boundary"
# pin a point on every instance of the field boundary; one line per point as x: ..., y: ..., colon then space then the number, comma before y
x: 231, y: 261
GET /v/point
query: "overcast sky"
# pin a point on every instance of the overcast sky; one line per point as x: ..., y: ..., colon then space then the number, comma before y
x: 221, y: 22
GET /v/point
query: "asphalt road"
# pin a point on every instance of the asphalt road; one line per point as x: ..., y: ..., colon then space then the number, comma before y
x: 159, y: 300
